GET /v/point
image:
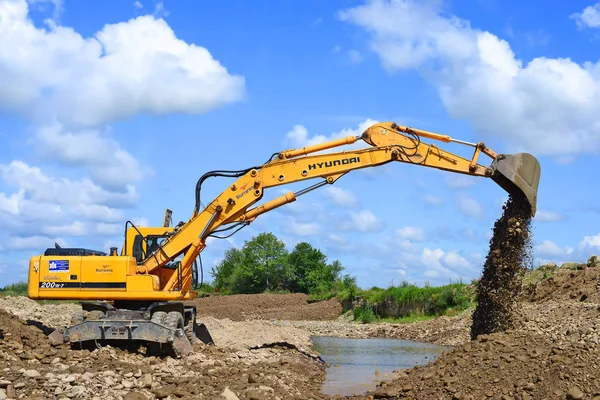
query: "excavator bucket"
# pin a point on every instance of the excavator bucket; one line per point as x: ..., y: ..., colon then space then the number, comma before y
x: 518, y: 173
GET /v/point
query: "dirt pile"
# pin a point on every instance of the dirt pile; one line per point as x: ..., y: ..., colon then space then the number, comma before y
x: 504, y: 366
x: 554, y: 352
x: 250, y: 361
x: 266, y: 306
x: 500, y: 284
x: 52, y: 315
x: 567, y: 284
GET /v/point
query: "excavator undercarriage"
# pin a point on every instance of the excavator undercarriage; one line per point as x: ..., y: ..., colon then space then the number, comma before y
x: 138, y: 296
x: 163, y: 327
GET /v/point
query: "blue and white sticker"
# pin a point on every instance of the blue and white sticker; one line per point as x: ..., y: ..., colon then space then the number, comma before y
x: 59, y: 266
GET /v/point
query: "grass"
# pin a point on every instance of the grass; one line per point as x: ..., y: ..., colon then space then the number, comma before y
x: 16, y: 289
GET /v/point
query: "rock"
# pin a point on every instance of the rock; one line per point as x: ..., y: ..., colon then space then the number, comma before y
x: 161, y: 393
x: 10, y: 392
x: 147, y: 381
x: 575, y: 394
x: 569, y: 265
x: 4, y: 384
x: 593, y: 262
x: 266, y: 389
x: 135, y: 396
x: 252, y: 378
x: 3, y: 394
x: 229, y: 395
x: 382, y: 394
x: 20, y: 385
x: 31, y: 373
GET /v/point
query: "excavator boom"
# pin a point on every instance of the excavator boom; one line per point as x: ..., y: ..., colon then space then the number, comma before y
x: 158, y: 265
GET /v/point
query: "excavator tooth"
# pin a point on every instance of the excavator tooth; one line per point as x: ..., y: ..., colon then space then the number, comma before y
x: 518, y: 174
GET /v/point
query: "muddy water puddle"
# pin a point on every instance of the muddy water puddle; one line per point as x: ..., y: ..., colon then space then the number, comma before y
x: 357, y: 365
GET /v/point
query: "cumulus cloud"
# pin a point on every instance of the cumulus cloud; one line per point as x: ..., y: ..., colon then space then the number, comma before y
x: 299, y: 136
x: 126, y: 68
x: 56, y: 208
x: 469, y: 207
x: 34, y: 185
x: 549, y: 249
x: 362, y: 221
x: 294, y: 227
x: 107, y: 163
x: 411, y: 233
x: 17, y: 243
x: 340, y: 196
x: 589, y: 17
x: 591, y: 242
x: 460, y: 181
x: 433, y: 200
x: 537, y: 104
x: 548, y: 216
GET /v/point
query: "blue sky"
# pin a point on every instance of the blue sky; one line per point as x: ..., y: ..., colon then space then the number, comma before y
x: 110, y: 111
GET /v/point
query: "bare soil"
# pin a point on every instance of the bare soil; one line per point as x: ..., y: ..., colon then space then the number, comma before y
x: 249, y: 361
x: 554, y: 353
x: 245, y: 307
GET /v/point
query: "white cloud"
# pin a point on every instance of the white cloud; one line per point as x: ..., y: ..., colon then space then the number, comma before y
x: 11, y: 204
x: 460, y: 181
x: 549, y: 249
x: 589, y: 17
x: 76, y: 228
x: 44, y: 205
x: 456, y: 261
x: 137, y: 4
x: 469, y: 207
x: 548, y: 216
x: 537, y: 104
x: 432, y: 258
x: 292, y: 226
x: 39, y: 187
x: 355, y: 56
x: 591, y: 242
x: 433, y: 200
x: 299, y: 136
x: 108, y: 164
x: 362, y: 221
x: 411, y: 233
x: 127, y: 68
x: 340, y: 196
x: 109, y: 229
x: 32, y: 243
x: 160, y: 10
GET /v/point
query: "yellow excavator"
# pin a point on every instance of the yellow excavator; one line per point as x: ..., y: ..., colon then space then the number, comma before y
x: 137, y: 296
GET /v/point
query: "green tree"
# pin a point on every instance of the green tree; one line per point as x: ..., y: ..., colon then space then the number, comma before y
x: 261, y: 264
x: 223, y: 271
x: 305, y: 262
x: 265, y: 262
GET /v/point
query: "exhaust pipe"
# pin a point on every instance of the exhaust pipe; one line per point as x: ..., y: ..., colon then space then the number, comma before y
x: 518, y: 174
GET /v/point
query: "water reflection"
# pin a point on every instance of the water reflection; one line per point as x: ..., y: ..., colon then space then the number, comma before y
x: 357, y: 365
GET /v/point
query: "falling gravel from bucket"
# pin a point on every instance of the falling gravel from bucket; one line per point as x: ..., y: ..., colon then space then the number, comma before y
x: 508, y: 258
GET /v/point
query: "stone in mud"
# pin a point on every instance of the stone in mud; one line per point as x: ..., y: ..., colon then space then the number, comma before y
x: 500, y: 284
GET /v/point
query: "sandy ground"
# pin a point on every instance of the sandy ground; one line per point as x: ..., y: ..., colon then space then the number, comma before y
x: 554, y: 354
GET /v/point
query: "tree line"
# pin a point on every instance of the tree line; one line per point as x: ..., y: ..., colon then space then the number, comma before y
x: 264, y: 264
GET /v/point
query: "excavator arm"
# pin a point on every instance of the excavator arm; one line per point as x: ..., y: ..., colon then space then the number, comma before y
x: 389, y: 142
x: 138, y: 287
